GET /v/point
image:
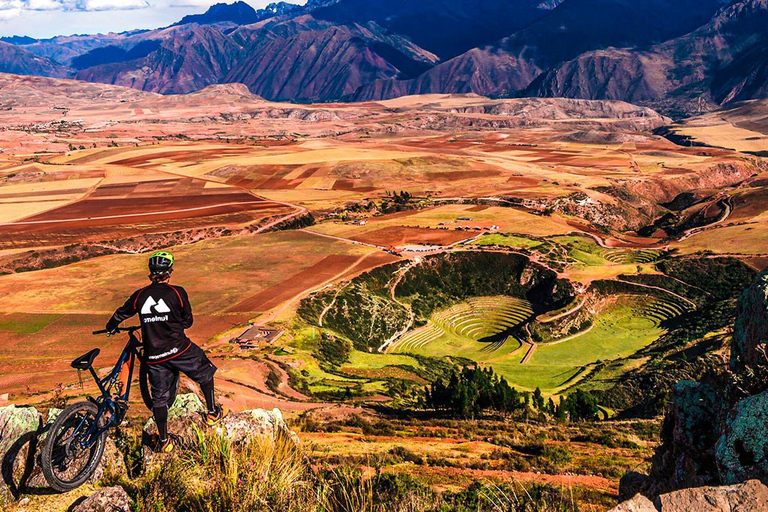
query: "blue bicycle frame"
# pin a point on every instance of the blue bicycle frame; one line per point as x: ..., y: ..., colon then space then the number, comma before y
x: 107, y: 402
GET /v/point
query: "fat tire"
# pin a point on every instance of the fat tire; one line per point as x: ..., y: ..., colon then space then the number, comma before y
x: 46, y: 459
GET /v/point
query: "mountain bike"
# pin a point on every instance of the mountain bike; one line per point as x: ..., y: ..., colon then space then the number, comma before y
x: 76, y: 440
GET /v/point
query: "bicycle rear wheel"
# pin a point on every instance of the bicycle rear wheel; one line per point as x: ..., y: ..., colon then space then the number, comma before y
x: 66, y: 463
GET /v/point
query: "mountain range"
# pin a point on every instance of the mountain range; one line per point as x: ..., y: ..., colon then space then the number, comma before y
x: 678, y: 56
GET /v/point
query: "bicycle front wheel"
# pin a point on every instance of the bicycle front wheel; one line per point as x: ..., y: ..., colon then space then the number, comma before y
x: 66, y: 463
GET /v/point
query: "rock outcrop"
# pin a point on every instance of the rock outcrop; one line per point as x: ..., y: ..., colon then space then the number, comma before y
x: 23, y: 432
x: 747, y: 497
x: 185, y: 422
x: 109, y: 499
x: 742, y: 452
x: 715, y: 432
x: 18, y: 439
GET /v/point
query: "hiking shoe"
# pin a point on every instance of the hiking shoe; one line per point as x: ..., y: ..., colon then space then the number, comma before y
x: 214, y: 419
x: 164, y: 446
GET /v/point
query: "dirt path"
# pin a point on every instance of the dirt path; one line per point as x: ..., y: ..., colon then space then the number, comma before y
x: 327, y: 308
x: 388, y: 344
x: 284, y: 386
x: 728, y: 209
x: 572, y: 337
x: 688, y: 301
x: 342, y: 239
x: 276, y: 312
x: 564, y: 313
x: 529, y: 354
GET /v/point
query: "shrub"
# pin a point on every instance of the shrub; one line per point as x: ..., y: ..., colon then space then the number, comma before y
x: 335, y: 351
x: 215, y: 475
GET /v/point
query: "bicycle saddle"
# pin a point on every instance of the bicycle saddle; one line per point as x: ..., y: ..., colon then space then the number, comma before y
x: 85, y: 361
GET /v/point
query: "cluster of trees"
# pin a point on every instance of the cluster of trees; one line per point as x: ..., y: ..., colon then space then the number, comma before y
x: 471, y: 392
x: 396, y: 201
x: 333, y: 350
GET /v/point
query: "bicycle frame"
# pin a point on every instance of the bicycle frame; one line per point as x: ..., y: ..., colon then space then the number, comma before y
x: 106, y: 401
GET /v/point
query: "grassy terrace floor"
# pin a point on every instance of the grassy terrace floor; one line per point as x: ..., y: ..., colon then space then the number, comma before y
x: 619, y: 330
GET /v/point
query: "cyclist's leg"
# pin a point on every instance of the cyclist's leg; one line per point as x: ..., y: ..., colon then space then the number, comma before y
x: 210, y: 399
x: 161, y: 379
x: 196, y: 365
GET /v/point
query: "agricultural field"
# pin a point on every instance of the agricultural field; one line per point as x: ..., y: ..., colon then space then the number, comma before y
x: 61, y: 306
x: 393, y: 244
x: 617, y: 330
x: 113, y: 192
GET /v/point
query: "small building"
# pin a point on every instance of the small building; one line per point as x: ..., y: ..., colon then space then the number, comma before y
x: 255, y: 336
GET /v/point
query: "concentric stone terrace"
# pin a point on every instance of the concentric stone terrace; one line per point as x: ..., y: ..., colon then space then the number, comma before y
x: 475, y: 319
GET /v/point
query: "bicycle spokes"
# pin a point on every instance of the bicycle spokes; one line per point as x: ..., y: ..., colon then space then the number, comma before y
x: 72, y: 449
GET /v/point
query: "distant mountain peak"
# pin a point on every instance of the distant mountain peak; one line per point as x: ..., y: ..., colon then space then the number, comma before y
x: 238, y: 12
x: 18, y: 40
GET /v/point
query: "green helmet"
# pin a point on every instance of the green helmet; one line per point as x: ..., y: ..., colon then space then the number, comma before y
x: 160, y: 262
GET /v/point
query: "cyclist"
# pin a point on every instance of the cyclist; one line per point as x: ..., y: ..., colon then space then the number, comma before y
x: 165, y: 313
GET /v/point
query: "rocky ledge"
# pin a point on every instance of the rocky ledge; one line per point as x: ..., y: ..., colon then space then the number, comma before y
x: 714, y: 449
x: 23, y: 432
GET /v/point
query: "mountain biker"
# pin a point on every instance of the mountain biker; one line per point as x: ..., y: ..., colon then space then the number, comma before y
x: 165, y: 313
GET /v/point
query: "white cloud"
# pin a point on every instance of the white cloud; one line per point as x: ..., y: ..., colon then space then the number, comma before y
x: 10, y: 13
x: 111, y: 5
x: 43, y: 5
x: 48, y: 18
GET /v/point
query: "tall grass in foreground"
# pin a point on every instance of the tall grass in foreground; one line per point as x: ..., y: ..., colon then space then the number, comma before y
x: 266, y: 474
x: 216, y: 475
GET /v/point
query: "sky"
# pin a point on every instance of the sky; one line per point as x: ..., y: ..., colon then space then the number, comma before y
x: 48, y: 18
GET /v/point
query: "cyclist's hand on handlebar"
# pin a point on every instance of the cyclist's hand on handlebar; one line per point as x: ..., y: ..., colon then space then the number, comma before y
x: 112, y: 329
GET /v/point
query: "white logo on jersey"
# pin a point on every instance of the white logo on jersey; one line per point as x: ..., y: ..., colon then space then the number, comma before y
x: 160, y: 306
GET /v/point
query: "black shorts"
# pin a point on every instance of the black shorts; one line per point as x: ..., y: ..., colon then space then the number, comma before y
x: 164, y: 377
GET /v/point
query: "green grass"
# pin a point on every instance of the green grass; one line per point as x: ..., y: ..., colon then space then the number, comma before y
x: 462, y: 325
x: 26, y: 323
x: 624, y: 256
x: 508, y: 241
x: 377, y: 361
x: 619, y: 331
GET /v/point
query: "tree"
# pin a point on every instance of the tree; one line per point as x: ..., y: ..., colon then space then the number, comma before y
x: 581, y: 406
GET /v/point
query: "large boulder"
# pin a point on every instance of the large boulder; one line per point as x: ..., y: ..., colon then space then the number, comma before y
x: 749, y: 360
x: 185, y: 422
x: 258, y: 422
x: 747, y: 497
x: 109, y: 499
x: 689, y: 434
x: 18, y: 444
x: 637, y: 504
x: 742, y: 452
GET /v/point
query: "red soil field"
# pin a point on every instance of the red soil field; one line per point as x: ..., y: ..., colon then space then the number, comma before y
x: 182, y: 156
x: 36, y: 362
x: 102, y: 212
x: 65, y: 233
x: 315, y: 275
x: 404, y: 235
x: 144, y: 205
x: 374, y: 260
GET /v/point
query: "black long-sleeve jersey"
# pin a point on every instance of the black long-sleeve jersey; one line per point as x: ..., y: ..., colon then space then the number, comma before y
x: 165, y: 313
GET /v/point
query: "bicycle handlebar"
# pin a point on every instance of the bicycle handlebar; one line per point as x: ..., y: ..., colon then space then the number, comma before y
x: 119, y: 329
